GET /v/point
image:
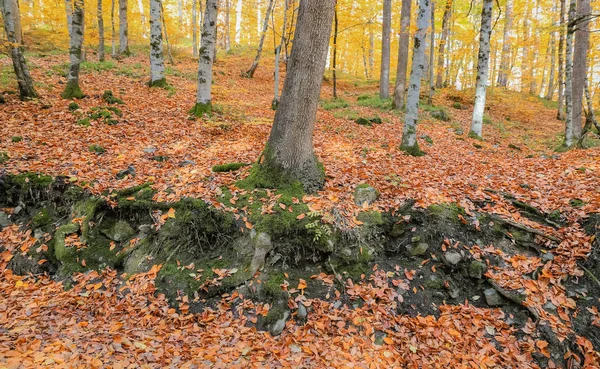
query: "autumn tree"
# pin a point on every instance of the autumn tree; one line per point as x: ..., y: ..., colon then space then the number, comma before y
x: 384, y: 77
x: 404, y: 38
x: 72, y: 89
x: 439, y: 81
x: 205, y: 61
x: 506, y: 46
x: 409, y: 133
x: 483, y: 62
x: 24, y: 81
x: 123, y: 29
x: 157, y: 64
x: 100, y: 32
x: 250, y: 72
x: 289, y: 154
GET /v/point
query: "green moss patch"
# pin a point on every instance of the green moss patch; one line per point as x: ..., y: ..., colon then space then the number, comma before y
x: 230, y: 167
x: 110, y: 98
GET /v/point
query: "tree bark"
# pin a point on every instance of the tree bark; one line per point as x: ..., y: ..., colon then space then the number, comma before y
x: 205, y: 60
x: 439, y: 83
x: 551, y: 87
x: 17, y: 20
x: 431, y: 55
x: 72, y: 89
x: 250, y: 72
x: 582, y: 41
x: 526, y: 66
x: 195, y: 28
x: 157, y: 63
x: 238, y: 21
x: 275, y: 103
x: 227, y: 28
x: 384, y: 77
x: 69, y: 9
x: 123, y: 29
x: 335, y: 37
x: 24, y: 81
x: 371, y: 49
x: 569, y: 74
x: 409, y: 133
x: 560, y: 115
x: 100, y: 32
x: 113, y: 35
x: 164, y: 31
x: 289, y: 155
x: 400, y: 88
x: 483, y: 61
x: 142, y: 15
x: 506, y: 46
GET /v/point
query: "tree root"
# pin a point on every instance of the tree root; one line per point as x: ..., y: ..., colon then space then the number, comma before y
x: 514, y: 297
x: 525, y: 228
x: 525, y: 207
x: 589, y: 274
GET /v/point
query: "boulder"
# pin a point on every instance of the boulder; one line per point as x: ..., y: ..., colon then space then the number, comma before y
x: 365, y: 193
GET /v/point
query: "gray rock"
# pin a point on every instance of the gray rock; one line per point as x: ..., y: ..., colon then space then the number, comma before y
x: 4, y: 221
x: 279, y: 325
x: 418, y: 249
x: 492, y: 297
x: 262, y: 246
x: 549, y: 307
x: 119, y: 231
x: 477, y: 269
x: 302, y: 312
x: 459, y: 132
x: 150, y: 150
x: 379, y: 337
x: 125, y: 172
x: 17, y: 210
x: 337, y: 304
x: 186, y: 163
x: 452, y: 257
x: 366, y: 194
x: 548, y: 256
x: 434, y: 282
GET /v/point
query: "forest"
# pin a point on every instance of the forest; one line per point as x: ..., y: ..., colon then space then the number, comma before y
x: 300, y: 184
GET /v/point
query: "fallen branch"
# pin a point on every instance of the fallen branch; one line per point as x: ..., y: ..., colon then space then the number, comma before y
x: 526, y: 229
x: 589, y: 274
x: 514, y: 297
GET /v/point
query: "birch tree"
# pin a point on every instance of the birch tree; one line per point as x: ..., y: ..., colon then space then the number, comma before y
x: 560, y: 115
x: 569, y: 75
x: 431, y: 55
x: 384, y: 77
x: 157, y: 63
x: 551, y: 81
x: 506, y: 46
x: 195, y: 28
x: 439, y: 82
x: 409, y: 132
x: 123, y: 29
x: 250, y: 72
x: 289, y: 154
x: 143, y: 17
x: 205, y: 60
x: 114, y: 33
x: 100, y: 32
x: 238, y: 21
x: 404, y: 39
x: 72, y: 89
x: 24, y: 81
x: 483, y: 61
x: 580, y: 57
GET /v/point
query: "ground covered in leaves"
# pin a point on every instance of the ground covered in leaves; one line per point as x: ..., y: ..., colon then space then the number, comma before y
x: 136, y: 135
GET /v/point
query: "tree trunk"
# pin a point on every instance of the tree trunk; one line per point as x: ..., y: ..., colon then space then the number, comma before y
x: 439, y: 83
x: 371, y: 49
x: 384, y: 77
x: 250, y: 72
x: 526, y: 66
x: 550, y: 90
x: 123, y: 29
x: 569, y: 74
x: 24, y: 81
x: 409, y: 133
x: 157, y: 63
x: 588, y: 98
x: 238, y: 21
x: 112, y: 22
x: 69, y: 9
x: 179, y: 13
x: 143, y: 16
x: 275, y: 103
x: 72, y: 89
x: 582, y: 41
x: 17, y: 20
x: 431, y: 55
x: 400, y: 88
x: 100, y: 32
x: 483, y: 61
x: 164, y: 30
x: 289, y: 155
x: 195, y: 28
x: 560, y: 115
x: 335, y: 36
x: 506, y: 46
x: 227, y: 28
x: 205, y: 60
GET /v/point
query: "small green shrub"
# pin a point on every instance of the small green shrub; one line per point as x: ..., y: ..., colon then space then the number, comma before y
x: 374, y: 101
x: 73, y: 106
x: 3, y: 157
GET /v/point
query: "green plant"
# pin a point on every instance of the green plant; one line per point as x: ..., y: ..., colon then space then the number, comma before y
x: 335, y: 103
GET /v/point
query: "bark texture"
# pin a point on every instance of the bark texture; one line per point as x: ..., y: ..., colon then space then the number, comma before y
x: 250, y: 72
x: 205, y: 60
x: 506, y: 46
x: 384, y: 77
x: 431, y: 54
x: 289, y: 154
x: 551, y: 81
x: 123, y: 29
x: 569, y: 74
x: 580, y: 56
x: 439, y: 82
x: 100, y: 32
x: 275, y: 102
x: 114, y: 33
x: 560, y: 115
x: 195, y: 28
x: 157, y: 63
x: 483, y: 62
x: 400, y: 88
x: 72, y: 89
x: 409, y: 132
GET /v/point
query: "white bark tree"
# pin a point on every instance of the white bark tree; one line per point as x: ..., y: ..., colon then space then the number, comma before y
x: 143, y: 16
x: 195, y: 28
x: 157, y: 63
x: 72, y: 89
x: 238, y: 21
x: 409, y: 132
x: 569, y: 74
x: 483, y: 63
x: 384, y: 77
x: 404, y: 39
x: 506, y: 46
x: 69, y: 9
x: 100, y: 32
x: 123, y: 29
x: 439, y: 82
x: 250, y: 72
x: 205, y: 61
x: 551, y: 82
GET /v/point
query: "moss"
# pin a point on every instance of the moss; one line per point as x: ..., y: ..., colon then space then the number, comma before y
x: 412, y: 150
x: 73, y: 106
x: 41, y: 218
x: 475, y: 136
x: 374, y: 101
x: 97, y: 149
x: 230, y: 167
x: 447, y: 211
x: 487, y: 120
x: 31, y: 180
x: 555, y: 216
x: 371, y: 218
x: 335, y: 103
x: 271, y: 287
x: 115, y: 110
x: 61, y: 251
x: 16, y: 139
x: 576, y: 203
x: 276, y: 313
x: 72, y: 91
x: 201, y: 109
x: 3, y: 157
x: 110, y: 98
x: 85, y: 122
x: 161, y: 83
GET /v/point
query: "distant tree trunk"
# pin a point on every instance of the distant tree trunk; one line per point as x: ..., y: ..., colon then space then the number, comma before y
x: 180, y: 13
x: 275, y: 102
x: 526, y: 65
x: 205, y: 60
x: 560, y: 115
x: 72, y: 89
x: 289, y: 154
x: 227, y: 28
x: 551, y: 87
x: 100, y: 32
x: 112, y: 22
x: 69, y: 9
x: 400, y: 88
x: 195, y: 28
x: 143, y: 16
x: 157, y: 63
x: 17, y: 20
x: 569, y: 74
x: 250, y: 72
x: 409, y: 133
x: 439, y: 83
x: 384, y: 77
x: 431, y: 55
x: 365, y: 64
x: 123, y: 29
x: 590, y: 113
x: 335, y: 36
x: 164, y: 31
x: 371, y: 48
x: 258, y: 17
x: 506, y: 46
x: 582, y: 41
x: 238, y: 21
x: 24, y: 81
x: 483, y: 61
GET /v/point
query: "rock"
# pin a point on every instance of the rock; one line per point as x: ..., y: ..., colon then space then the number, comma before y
x: 397, y: 230
x: 262, y: 246
x: 452, y: 257
x: 365, y: 193
x: 459, y: 132
x: 548, y: 256
x: 279, y: 325
x: 418, y: 249
x: 302, y: 312
x: 186, y: 163
x: 17, y: 210
x: 415, y: 239
x: 477, y: 269
x: 492, y: 297
x: 125, y: 172
x: 434, y: 282
x: 549, y: 307
x: 4, y: 221
x: 150, y: 150
x: 379, y: 337
x: 337, y: 304
x: 119, y: 231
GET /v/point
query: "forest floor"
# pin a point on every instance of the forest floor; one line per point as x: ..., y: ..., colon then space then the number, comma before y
x: 151, y: 138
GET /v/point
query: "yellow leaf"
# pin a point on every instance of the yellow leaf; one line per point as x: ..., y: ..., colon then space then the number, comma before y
x: 171, y: 213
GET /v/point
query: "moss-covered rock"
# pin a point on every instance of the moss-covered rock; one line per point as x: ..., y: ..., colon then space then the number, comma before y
x: 3, y: 157
x: 118, y: 231
x: 41, y: 218
x: 230, y: 167
x: 365, y: 193
x: 61, y: 251
x: 97, y: 149
x: 73, y: 106
x: 110, y: 98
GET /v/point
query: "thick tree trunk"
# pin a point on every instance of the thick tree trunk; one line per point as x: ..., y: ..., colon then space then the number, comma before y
x: 238, y: 21
x: 205, y: 60
x: 483, y: 61
x: 551, y: 87
x: 400, y: 88
x: 409, y: 133
x: 114, y: 33
x: 100, y: 32
x: 569, y: 74
x: 582, y: 41
x: 275, y: 103
x: 250, y: 72
x: 560, y: 115
x: 439, y: 83
x: 157, y: 63
x: 195, y: 28
x: 431, y: 55
x: 72, y: 89
x: 289, y: 155
x: 123, y: 29
x: 506, y: 46
x: 24, y: 81
x: 384, y: 77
